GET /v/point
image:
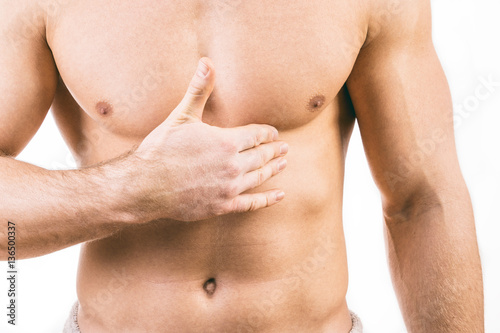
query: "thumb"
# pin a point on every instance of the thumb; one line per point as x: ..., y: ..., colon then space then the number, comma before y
x: 190, y: 109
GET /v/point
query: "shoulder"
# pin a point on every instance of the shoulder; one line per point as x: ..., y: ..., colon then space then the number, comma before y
x: 397, y: 19
x: 23, y: 20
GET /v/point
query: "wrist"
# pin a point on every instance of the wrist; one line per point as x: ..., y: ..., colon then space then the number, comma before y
x: 121, y: 186
x: 137, y: 195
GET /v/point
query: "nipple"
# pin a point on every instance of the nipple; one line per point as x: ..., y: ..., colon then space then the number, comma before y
x: 104, y: 108
x: 209, y: 286
x: 316, y: 103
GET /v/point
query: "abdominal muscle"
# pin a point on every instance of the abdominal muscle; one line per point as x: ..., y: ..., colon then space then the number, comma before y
x: 278, y: 269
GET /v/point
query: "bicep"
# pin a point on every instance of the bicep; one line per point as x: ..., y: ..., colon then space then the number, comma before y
x: 28, y: 76
x: 404, y: 108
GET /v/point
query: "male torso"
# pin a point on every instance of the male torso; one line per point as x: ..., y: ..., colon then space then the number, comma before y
x: 126, y: 65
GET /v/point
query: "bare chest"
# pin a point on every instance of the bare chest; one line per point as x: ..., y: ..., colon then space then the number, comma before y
x: 128, y: 63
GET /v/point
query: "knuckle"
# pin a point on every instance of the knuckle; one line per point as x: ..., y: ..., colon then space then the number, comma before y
x: 269, y: 170
x: 261, y: 177
x: 263, y: 157
x: 268, y: 200
x: 235, y: 205
x: 277, y: 149
x: 254, y: 205
x: 233, y: 169
x: 230, y: 191
x: 275, y: 168
x: 257, y: 138
x: 229, y: 147
x: 197, y: 88
x: 271, y: 132
x: 264, y: 134
x: 250, y: 141
x: 259, y: 133
x: 222, y: 209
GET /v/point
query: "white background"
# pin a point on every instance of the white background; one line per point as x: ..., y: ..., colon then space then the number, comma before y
x: 466, y: 35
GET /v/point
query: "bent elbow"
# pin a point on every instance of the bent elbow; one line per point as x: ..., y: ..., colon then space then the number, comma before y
x: 411, y: 207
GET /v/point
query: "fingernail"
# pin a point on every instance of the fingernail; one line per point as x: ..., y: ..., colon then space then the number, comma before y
x: 280, y: 196
x: 282, y: 165
x: 202, y: 70
x: 284, y: 149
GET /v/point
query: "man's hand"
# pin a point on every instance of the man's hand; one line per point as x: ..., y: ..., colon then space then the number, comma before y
x: 189, y: 171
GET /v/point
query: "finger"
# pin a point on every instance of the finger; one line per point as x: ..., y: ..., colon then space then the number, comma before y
x: 252, y: 159
x: 201, y: 86
x: 251, y: 202
x: 261, y: 175
x: 249, y: 136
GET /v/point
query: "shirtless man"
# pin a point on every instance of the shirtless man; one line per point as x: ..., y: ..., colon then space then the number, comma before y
x: 171, y: 194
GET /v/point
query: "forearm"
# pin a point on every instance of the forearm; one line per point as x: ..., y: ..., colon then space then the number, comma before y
x: 435, y: 263
x: 56, y: 209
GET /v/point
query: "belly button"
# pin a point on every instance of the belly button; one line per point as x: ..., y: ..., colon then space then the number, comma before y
x: 104, y: 108
x: 316, y: 103
x: 209, y: 286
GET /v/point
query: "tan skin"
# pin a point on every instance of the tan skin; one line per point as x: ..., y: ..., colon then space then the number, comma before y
x: 177, y: 235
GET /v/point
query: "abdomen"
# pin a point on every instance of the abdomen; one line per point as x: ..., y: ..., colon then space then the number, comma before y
x: 284, y: 265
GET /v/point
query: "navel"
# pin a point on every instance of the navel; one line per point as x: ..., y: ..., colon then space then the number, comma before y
x: 104, y: 108
x: 209, y: 286
x: 316, y: 103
